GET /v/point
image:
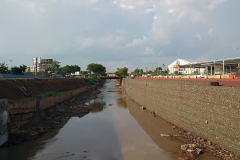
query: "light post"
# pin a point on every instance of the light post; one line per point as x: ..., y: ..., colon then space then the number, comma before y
x: 11, y: 65
x: 238, y: 67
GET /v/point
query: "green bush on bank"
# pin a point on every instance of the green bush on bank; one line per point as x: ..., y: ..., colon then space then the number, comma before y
x: 92, y: 80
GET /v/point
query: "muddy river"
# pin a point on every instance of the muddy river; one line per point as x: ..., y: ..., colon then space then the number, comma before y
x: 115, y: 129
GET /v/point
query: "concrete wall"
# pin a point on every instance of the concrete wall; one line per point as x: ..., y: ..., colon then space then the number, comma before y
x: 212, y: 112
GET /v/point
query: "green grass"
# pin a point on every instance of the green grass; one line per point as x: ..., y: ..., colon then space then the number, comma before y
x: 47, y: 94
x: 92, y: 81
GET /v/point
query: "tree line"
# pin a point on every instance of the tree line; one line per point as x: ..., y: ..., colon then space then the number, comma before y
x: 96, y: 70
x: 54, y: 67
x: 123, y: 72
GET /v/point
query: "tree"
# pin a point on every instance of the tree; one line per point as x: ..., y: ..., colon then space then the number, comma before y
x: 19, y: 70
x: 138, y: 72
x: 159, y: 69
x: 3, y: 67
x: 70, y: 69
x: 97, y: 69
x: 53, y: 66
x: 122, y: 72
x: 84, y: 72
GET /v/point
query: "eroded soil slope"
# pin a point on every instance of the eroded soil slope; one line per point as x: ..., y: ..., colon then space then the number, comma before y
x: 15, y: 89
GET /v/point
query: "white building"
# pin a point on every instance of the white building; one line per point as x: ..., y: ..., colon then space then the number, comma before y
x: 39, y: 64
x: 175, y: 66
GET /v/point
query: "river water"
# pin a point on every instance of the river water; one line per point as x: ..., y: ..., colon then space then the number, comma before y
x: 115, y: 129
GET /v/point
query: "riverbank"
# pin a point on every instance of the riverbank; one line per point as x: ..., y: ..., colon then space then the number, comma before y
x: 38, y: 106
x: 196, y: 107
x: 19, y: 89
x: 47, y: 120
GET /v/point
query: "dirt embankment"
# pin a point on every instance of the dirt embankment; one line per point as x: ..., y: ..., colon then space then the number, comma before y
x: 15, y: 89
x: 28, y: 126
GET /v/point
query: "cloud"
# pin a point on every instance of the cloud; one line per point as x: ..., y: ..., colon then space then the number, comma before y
x: 214, y: 3
x: 137, y: 42
x: 198, y: 35
x: 149, y: 51
x: 117, y: 32
x: 149, y: 10
x: 127, y: 6
x: 210, y: 32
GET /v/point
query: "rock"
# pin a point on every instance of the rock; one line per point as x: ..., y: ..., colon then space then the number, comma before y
x: 210, y: 148
x: 199, y: 151
x: 184, y: 147
x: 191, y: 150
x: 189, y: 147
x: 33, y: 133
x: 143, y: 108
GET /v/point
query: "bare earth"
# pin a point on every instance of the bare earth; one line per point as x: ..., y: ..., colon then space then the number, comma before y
x: 15, y: 89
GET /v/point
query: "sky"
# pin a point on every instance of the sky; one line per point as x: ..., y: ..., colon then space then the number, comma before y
x: 118, y: 33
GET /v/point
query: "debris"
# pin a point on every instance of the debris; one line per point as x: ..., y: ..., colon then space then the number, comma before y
x: 115, y: 90
x: 206, y: 121
x: 193, y: 149
x: 143, y: 108
x: 169, y: 135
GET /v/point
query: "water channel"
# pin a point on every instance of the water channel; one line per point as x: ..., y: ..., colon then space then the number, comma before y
x: 115, y: 129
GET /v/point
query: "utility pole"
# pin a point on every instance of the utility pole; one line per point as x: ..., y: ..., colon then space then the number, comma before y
x: 11, y: 65
x: 36, y: 66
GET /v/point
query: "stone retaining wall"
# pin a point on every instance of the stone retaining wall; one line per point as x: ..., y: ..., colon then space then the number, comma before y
x: 212, y: 112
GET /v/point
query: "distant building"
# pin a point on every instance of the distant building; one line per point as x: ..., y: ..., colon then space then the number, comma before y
x: 39, y: 65
x: 175, y: 66
x: 110, y: 74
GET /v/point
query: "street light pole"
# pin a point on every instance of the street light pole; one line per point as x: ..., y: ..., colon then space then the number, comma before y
x: 11, y: 65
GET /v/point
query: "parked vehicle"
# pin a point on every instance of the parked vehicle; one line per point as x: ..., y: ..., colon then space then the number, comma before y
x: 147, y: 75
x: 200, y: 76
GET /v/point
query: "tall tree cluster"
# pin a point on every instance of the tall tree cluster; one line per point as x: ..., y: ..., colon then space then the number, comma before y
x: 69, y: 69
x: 3, y: 67
x: 14, y: 70
x: 97, y: 69
x: 122, y: 72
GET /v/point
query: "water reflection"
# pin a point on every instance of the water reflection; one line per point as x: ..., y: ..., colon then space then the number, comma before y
x: 122, y: 103
x: 29, y: 149
x: 97, y: 107
x: 3, y: 134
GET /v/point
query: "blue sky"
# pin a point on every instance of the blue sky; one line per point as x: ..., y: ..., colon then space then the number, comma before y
x: 118, y: 33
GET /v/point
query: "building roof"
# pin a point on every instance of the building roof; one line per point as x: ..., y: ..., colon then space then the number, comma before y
x: 227, y: 62
x: 179, y: 62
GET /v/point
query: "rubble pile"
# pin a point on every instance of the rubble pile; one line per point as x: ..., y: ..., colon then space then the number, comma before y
x: 200, y: 145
